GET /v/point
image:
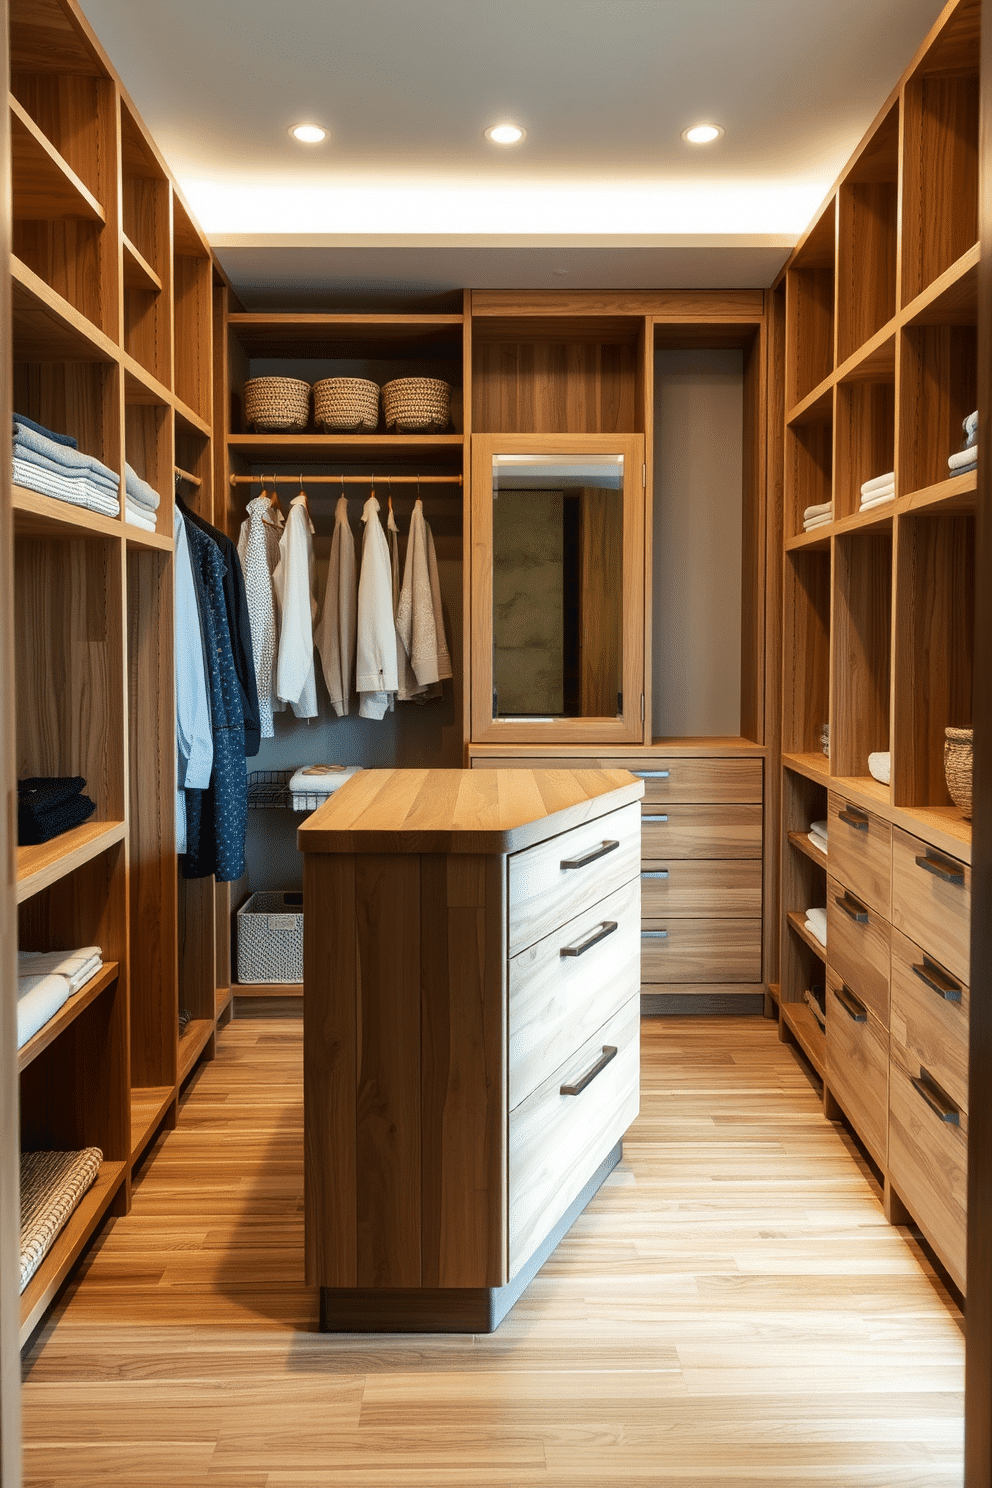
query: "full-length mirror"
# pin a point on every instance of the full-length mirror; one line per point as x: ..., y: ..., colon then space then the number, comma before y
x: 557, y: 586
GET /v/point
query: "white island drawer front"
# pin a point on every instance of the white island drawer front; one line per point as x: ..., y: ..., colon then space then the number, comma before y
x: 550, y: 883
x: 562, y: 1132
x: 566, y: 986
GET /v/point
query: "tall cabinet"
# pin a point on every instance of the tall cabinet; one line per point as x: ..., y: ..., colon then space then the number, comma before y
x: 880, y: 360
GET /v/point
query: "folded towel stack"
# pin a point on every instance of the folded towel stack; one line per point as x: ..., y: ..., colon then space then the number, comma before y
x: 818, y: 835
x: 879, y: 765
x: 816, y: 924
x: 311, y: 785
x: 48, y: 807
x: 141, y: 501
x: 52, y: 465
x: 881, y: 489
x: 818, y: 516
x: 966, y: 459
x: 45, y: 982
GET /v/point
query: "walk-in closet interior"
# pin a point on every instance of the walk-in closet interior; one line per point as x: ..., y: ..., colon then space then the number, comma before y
x: 614, y: 1016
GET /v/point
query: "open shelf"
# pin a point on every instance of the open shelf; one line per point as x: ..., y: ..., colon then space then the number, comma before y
x: 808, y: 1034
x: 800, y: 841
x: 67, y: 1014
x: 68, y: 1245
x: 266, y: 989
x: 148, y: 1106
x: 797, y: 921
x: 36, y: 515
x: 189, y: 421
x: 866, y: 430
x: 47, y: 327
x: 277, y: 335
x: 328, y: 449
x: 559, y: 375
x: 138, y: 272
x: 40, y: 866
x: 952, y: 298
x: 938, y: 389
x: 861, y: 639
x: 867, y: 232
x: 806, y: 650
x: 44, y: 186
x: 192, y: 1044
x: 809, y: 312
x: 808, y: 469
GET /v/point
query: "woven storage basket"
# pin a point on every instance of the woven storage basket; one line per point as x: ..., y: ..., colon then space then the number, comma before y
x: 346, y: 403
x: 957, y: 767
x: 417, y: 403
x: 277, y: 403
x: 270, y: 938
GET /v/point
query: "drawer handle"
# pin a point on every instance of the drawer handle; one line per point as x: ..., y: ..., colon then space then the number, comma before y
x: 651, y: 774
x: 938, y: 1100
x: 590, y: 857
x: 609, y: 1052
x: 854, y: 818
x: 654, y: 934
x: 654, y: 818
x: 944, y: 868
x: 655, y: 873
x: 606, y: 928
x: 852, y: 1006
x: 932, y: 977
x: 852, y: 907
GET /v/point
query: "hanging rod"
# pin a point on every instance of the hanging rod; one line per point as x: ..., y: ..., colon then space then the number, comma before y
x: 347, y: 480
x: 191, y: 480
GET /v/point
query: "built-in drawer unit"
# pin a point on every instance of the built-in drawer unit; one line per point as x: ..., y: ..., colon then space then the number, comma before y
x: 565, y: 1128
x: 860, y: 851
x: 691, y: 781
x: 857, y: 1063
x: 928, y: 1017
x: 701, y: 951
x: 721, y: 888
x: 562, y: 988
x: 700, y: 831
x: 548, y: 884
x: 928, y: 1156
x: 858, y: 947
x: 931, y: 901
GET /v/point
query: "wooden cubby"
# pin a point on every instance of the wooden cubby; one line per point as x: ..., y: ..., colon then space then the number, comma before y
x: 804, y: 886
x: 192, y: 280
x: 806, y: 649
x: 938, y: 389
x: 147, y: 280
x: 867, y: 233
x: 861, y: 642
x: 865, y: 433
x: 148, y: 448
x: 809, y: 462
x: 809, y: 309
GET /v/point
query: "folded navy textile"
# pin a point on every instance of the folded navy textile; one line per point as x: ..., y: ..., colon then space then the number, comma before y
x: 65, y: 439
x: 49, y: 806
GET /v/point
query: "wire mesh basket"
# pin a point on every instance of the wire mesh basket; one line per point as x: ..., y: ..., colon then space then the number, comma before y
x: 268, y: 790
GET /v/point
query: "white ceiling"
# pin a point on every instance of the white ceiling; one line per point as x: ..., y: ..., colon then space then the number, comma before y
x: 407, y: 197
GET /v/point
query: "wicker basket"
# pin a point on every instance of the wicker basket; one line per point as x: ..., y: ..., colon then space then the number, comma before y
x: 277, y: 403
x: 346, y: 403
x: 417, y: 404
x: 957, y: 767
x: 270, y: 938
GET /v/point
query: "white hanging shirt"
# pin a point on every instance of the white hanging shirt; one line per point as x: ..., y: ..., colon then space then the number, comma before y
x: 375, y: 665
x: 194, y: 734
x: 335, y: 637
x: 419, y: 617
x: 257, y: 538
x: 296, y: 682
x: 408, y: 688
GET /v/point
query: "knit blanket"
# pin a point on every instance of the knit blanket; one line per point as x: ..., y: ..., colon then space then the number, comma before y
x: 52, y: 1184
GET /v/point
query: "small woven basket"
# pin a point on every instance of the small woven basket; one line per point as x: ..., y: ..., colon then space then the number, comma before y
x: 277, y: 404
x: 417, y: 404
x: 957, y: 767
x: 346, y: 403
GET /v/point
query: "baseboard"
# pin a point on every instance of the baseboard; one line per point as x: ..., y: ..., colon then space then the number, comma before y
x: 703, y: 1004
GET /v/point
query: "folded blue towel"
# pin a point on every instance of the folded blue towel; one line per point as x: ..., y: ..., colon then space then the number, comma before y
x: 66, y: 439
x: 61, y: 455
x: 139, y: 491
x: 102, y: 478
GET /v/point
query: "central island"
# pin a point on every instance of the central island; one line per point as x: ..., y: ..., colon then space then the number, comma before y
x: 471, y: 1033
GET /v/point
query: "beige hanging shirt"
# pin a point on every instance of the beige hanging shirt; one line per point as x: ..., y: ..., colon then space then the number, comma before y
x: 419, y: 617
x: 335, y: 637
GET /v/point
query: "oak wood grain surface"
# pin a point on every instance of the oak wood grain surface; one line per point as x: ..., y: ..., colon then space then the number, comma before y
x: 731, y: 1308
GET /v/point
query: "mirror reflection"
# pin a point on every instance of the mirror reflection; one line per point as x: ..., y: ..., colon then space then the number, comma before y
x: 557, y: 586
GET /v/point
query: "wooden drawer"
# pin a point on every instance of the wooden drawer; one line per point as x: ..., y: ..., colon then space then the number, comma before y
x: 928, y: 1159
x: 858, y: 1064
x: 701, y: 951
x: 665, y: 778
x: 860, y: 852
x: 693, y: 888
x: 858, y: 948
x: 932, y: 904
x: 928, y: 1017
x: 558, y: 1000
x: 556, y: 1141
x: 543, y: 894
x: 700, y: 832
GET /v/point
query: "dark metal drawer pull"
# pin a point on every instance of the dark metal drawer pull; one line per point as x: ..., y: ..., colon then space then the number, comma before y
x: 851, y: 1005
x: 854, y: 818
x: 654, y: 934
x: 935, y: 979
x: 590, y: 857
x: 609, y: 1052
x: 606, y: 928
x: 852, y: 908
x: 944, y: 868
x: 651, y: 774
x: 654, y: 818
x: 938, y: 1100
x: 655, y: 873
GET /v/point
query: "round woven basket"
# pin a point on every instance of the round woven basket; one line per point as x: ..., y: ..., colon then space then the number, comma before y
x: 346, y: 403
x: 416, y: 404
x: 957, y: 767
x: 277, y: 403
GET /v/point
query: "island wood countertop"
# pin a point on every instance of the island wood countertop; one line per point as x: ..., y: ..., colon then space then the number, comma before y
x: 461, y: 811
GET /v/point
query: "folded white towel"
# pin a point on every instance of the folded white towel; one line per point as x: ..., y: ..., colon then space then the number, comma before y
x: 76, y: 490
x: 38, y: 999
x: 824, y: 509
x: 870, y: 501
x: 812, y: 522
x: 963, y: 458
x: 820, y: 828
x: 76, y: 966
x: 880, y: 766
x: 818, y: 841
x: 304, y: 784
x: 869, y: 487
x: 138, y: 517
x: 816, y: 924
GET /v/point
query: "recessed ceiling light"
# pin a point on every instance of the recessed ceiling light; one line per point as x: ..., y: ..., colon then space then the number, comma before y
x: 702, y: 134
x: 505, y: 134
x: 308, y: 134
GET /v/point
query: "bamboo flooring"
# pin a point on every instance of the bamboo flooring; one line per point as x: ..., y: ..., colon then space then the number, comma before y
x: 731, y: 1309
